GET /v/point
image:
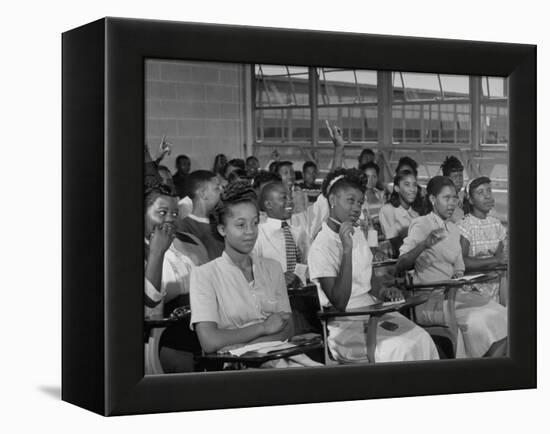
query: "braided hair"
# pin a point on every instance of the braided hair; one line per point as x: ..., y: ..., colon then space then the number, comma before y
x: 234, y: 193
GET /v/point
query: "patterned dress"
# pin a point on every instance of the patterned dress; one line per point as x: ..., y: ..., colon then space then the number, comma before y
x: 484, y: 236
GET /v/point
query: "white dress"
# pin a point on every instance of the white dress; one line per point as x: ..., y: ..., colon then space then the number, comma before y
x: 347, y: 338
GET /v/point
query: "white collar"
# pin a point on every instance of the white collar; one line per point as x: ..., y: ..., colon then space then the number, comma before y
x: 199, y: 219
x: 275, y: 223
x: 228, y: 259
x: 334, y: 235
x: 443, y: 224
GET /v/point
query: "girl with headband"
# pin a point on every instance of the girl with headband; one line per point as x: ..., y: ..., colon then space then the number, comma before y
x: 340, y: 264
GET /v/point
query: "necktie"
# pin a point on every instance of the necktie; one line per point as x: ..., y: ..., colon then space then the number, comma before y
x: 292, y: 253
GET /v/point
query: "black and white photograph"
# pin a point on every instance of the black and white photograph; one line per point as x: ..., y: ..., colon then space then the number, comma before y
x: 313, y: 216
x: 275, y: 217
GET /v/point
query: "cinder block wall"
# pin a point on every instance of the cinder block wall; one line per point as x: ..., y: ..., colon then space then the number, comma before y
x: 199, y: 106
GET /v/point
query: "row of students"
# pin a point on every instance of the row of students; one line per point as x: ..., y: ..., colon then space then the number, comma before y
x: 273, y: 196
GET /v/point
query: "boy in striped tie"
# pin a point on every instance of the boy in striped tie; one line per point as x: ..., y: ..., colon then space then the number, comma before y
x: 277, y: 238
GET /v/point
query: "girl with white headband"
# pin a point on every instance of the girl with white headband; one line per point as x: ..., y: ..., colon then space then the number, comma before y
x: 340, y: 263
x: 483, y: 237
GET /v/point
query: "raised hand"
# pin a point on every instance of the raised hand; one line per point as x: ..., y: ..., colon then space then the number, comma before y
x: 337, y: 137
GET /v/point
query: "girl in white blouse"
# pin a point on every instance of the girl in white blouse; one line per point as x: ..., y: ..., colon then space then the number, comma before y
x: 340, y: 263
x: 433, y: 248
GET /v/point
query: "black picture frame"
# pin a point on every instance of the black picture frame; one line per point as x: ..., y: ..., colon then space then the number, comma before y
x: 103, y: 136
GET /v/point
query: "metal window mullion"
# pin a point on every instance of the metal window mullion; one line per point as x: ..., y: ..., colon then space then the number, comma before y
x: 313, y: 105
x: 291, y: 89
x: 364, y: 121
x: 385, y: 109
x: 475, y: 112
x: 440, y: 86
x: 422, y: 125
x: 289, y: 123
x: 455, y: 122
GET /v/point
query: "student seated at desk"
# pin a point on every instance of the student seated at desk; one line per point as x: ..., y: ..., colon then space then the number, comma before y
x: 374, y: 198
x: 340, y: 263
x: 204, y: 190
x: 278, y: 239
x: 169, y: 261
x: 482, y: 236
x: 239, y: 298
x: 433, y: 248
x: 403, y: 206
x: 309, y: 184
x: 453, y: 168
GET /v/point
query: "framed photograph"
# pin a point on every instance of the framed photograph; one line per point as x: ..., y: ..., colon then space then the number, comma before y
x: 258, y: 216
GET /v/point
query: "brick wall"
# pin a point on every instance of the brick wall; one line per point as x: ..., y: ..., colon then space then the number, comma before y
x: 198, y: 105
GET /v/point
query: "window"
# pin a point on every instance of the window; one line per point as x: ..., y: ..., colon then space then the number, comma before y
x: 430, y: 108
x: 494, y: 111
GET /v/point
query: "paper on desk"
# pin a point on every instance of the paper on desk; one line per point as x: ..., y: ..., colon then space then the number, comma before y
x: 391, y: 303
x: 469, y: 277
x: 261, y: 347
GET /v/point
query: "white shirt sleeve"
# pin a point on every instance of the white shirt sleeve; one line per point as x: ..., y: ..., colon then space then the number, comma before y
x: 204, y: 304
x: 320, y: 264
x: 317, y: 214
x: 152, y: 293
x: 387, y: 221
x: 279, y: 286
x: 417, y: 234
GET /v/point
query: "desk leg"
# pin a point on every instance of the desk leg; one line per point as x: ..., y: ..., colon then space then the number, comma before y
x: 450, y: 309
x: 371, y: 329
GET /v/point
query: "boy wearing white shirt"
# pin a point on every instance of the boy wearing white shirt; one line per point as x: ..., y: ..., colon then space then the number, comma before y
x: 277, y: 238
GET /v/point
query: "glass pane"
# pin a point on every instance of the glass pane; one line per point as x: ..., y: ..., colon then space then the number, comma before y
x: 285, y: 124
x: 494, y: 123
x: 417, y: 86
x: 358, y: 124
x: 447, y: 117
x: 494, y: 87
x: 281, y: 85
x: 397, y: 122
x: 270, y: 124
x: 334, y: 115
x: 346, y: 86
x: 413, y: 125
x: 455, y: 86
x: 433, y: 125
x: 463, y: 123
x: 300, y: 121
